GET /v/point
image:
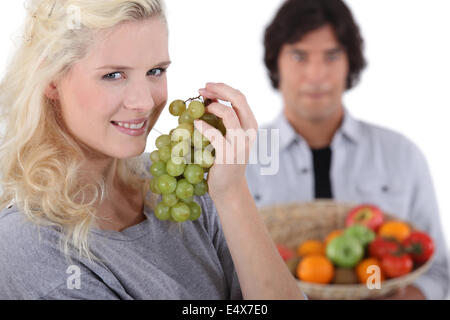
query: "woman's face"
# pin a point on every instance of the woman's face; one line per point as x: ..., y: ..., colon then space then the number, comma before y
x: 121, y: 82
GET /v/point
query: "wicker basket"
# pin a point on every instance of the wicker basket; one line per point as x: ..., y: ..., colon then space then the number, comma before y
x: 294, y: 223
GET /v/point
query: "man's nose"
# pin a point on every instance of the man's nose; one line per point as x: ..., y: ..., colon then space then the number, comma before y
x: 139, y: 96
x: 316, y: 71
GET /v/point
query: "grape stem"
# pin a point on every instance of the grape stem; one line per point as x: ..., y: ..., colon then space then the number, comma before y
x: 190, y: 99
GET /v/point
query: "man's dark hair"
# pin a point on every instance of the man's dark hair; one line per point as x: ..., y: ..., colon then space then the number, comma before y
x: 296, y: 18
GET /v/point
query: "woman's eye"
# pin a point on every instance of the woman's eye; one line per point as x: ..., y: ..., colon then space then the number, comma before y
x: 156, y: 72
x: 112, y: 76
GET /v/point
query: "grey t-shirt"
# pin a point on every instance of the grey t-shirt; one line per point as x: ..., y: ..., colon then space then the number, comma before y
x: 151, y: 260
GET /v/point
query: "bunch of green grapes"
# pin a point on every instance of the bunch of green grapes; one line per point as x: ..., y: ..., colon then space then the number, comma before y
x: 181, y: 162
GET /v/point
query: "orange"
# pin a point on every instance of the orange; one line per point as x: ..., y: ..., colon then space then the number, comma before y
x: 311, y: 247
x: 315, y: 268
x: 332, y: 235
x: 398, y: 230
x: 362, y: 272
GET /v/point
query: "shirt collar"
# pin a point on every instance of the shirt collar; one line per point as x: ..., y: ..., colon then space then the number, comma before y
x: 349, y: 128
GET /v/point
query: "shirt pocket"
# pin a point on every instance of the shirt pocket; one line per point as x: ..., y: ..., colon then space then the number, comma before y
x: 388, y: 193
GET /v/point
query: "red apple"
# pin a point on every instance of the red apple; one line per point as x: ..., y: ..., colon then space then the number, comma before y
x: 367, y: 215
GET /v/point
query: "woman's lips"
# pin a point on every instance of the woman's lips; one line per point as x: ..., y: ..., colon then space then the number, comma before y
x: 132, y: 132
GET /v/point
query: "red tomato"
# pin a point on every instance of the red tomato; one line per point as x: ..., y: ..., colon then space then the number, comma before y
x: 381, y: 246
x: 420, y: 246
x: 396, y: 265
x: 285, y: 252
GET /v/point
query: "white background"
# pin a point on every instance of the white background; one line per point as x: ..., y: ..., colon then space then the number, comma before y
x: 405, y: 86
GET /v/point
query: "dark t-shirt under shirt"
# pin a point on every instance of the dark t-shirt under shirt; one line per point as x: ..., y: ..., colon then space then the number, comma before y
x: 322, y: 163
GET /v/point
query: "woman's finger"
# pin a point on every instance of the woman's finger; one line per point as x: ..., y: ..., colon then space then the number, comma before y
x: 238, y: 101
x: 228, y: 115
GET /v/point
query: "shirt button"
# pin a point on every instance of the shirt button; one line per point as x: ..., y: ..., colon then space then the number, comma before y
x: 257, y: 197
x: 305, y: 170
x: 385, y: 189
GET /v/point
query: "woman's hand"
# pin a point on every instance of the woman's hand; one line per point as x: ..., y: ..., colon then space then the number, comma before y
x: 261, y: 271
x: 232, y: 151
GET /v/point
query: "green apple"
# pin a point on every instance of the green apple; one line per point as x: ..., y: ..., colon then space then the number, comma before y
x: 362, y: 233
x: 345, y: 251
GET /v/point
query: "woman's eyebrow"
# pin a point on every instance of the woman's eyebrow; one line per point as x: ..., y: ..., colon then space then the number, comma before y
x: 117, y: 67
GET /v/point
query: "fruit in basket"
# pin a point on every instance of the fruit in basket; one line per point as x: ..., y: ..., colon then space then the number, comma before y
x: 420, y: 246
x: 285, y: 252
x: 333, y: 234
x: 181, y: 161
x: 367, y: 215
x: 345, y: 251
x: 310, y: 247
x: 398, y: 230
x: 362, y: 233
x: 363, y: 272
x: 396, y: 265
x: 315, y: 268
x: 345, y: 276
x: 381, y: 246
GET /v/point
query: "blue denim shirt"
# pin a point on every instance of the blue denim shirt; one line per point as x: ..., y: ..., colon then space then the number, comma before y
x: 369, y: 164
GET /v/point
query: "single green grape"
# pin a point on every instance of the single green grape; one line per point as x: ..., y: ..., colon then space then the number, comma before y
x: 165, y: 153
x: 169, y: 199
x: 201, y: 188
x: 162, y: 141
x: 180, y: 212
x: 207, y: 159
x: 193, y: 173
x: 175, y: 169
x: 185, y: 118
x: 162, y: 212
x: 187, y: 126
x: 167, y: 184
x: 180, y: 134
x: 158, y: 168
x: 196, y: 109
x: 210, y: 119
x: 154, y: 156
x: 195, y: 209
x: 154, y: 186
x: 181, y: 149
x: 177, y: 107
x: 184, y: 189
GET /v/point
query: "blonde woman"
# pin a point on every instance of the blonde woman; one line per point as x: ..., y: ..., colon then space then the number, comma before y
x: 77, y: 218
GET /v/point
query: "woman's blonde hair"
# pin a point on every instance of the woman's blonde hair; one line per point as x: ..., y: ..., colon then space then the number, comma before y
x: 40, y: 163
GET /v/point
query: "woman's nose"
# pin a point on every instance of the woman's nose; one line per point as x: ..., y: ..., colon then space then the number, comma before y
x: 139, y: 96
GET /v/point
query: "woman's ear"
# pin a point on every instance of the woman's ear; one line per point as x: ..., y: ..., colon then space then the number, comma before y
x: 52, y: 91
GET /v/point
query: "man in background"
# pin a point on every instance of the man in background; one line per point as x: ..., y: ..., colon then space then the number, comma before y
x: 313, y: 54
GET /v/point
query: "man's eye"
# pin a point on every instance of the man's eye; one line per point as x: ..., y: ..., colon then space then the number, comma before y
x: 333, y: 56
x: 298, y: 57
x: 112, y: 76
x: 157, y: 72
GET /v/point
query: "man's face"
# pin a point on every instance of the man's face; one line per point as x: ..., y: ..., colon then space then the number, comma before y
x: 313, y: 73
x: 121, y: 79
